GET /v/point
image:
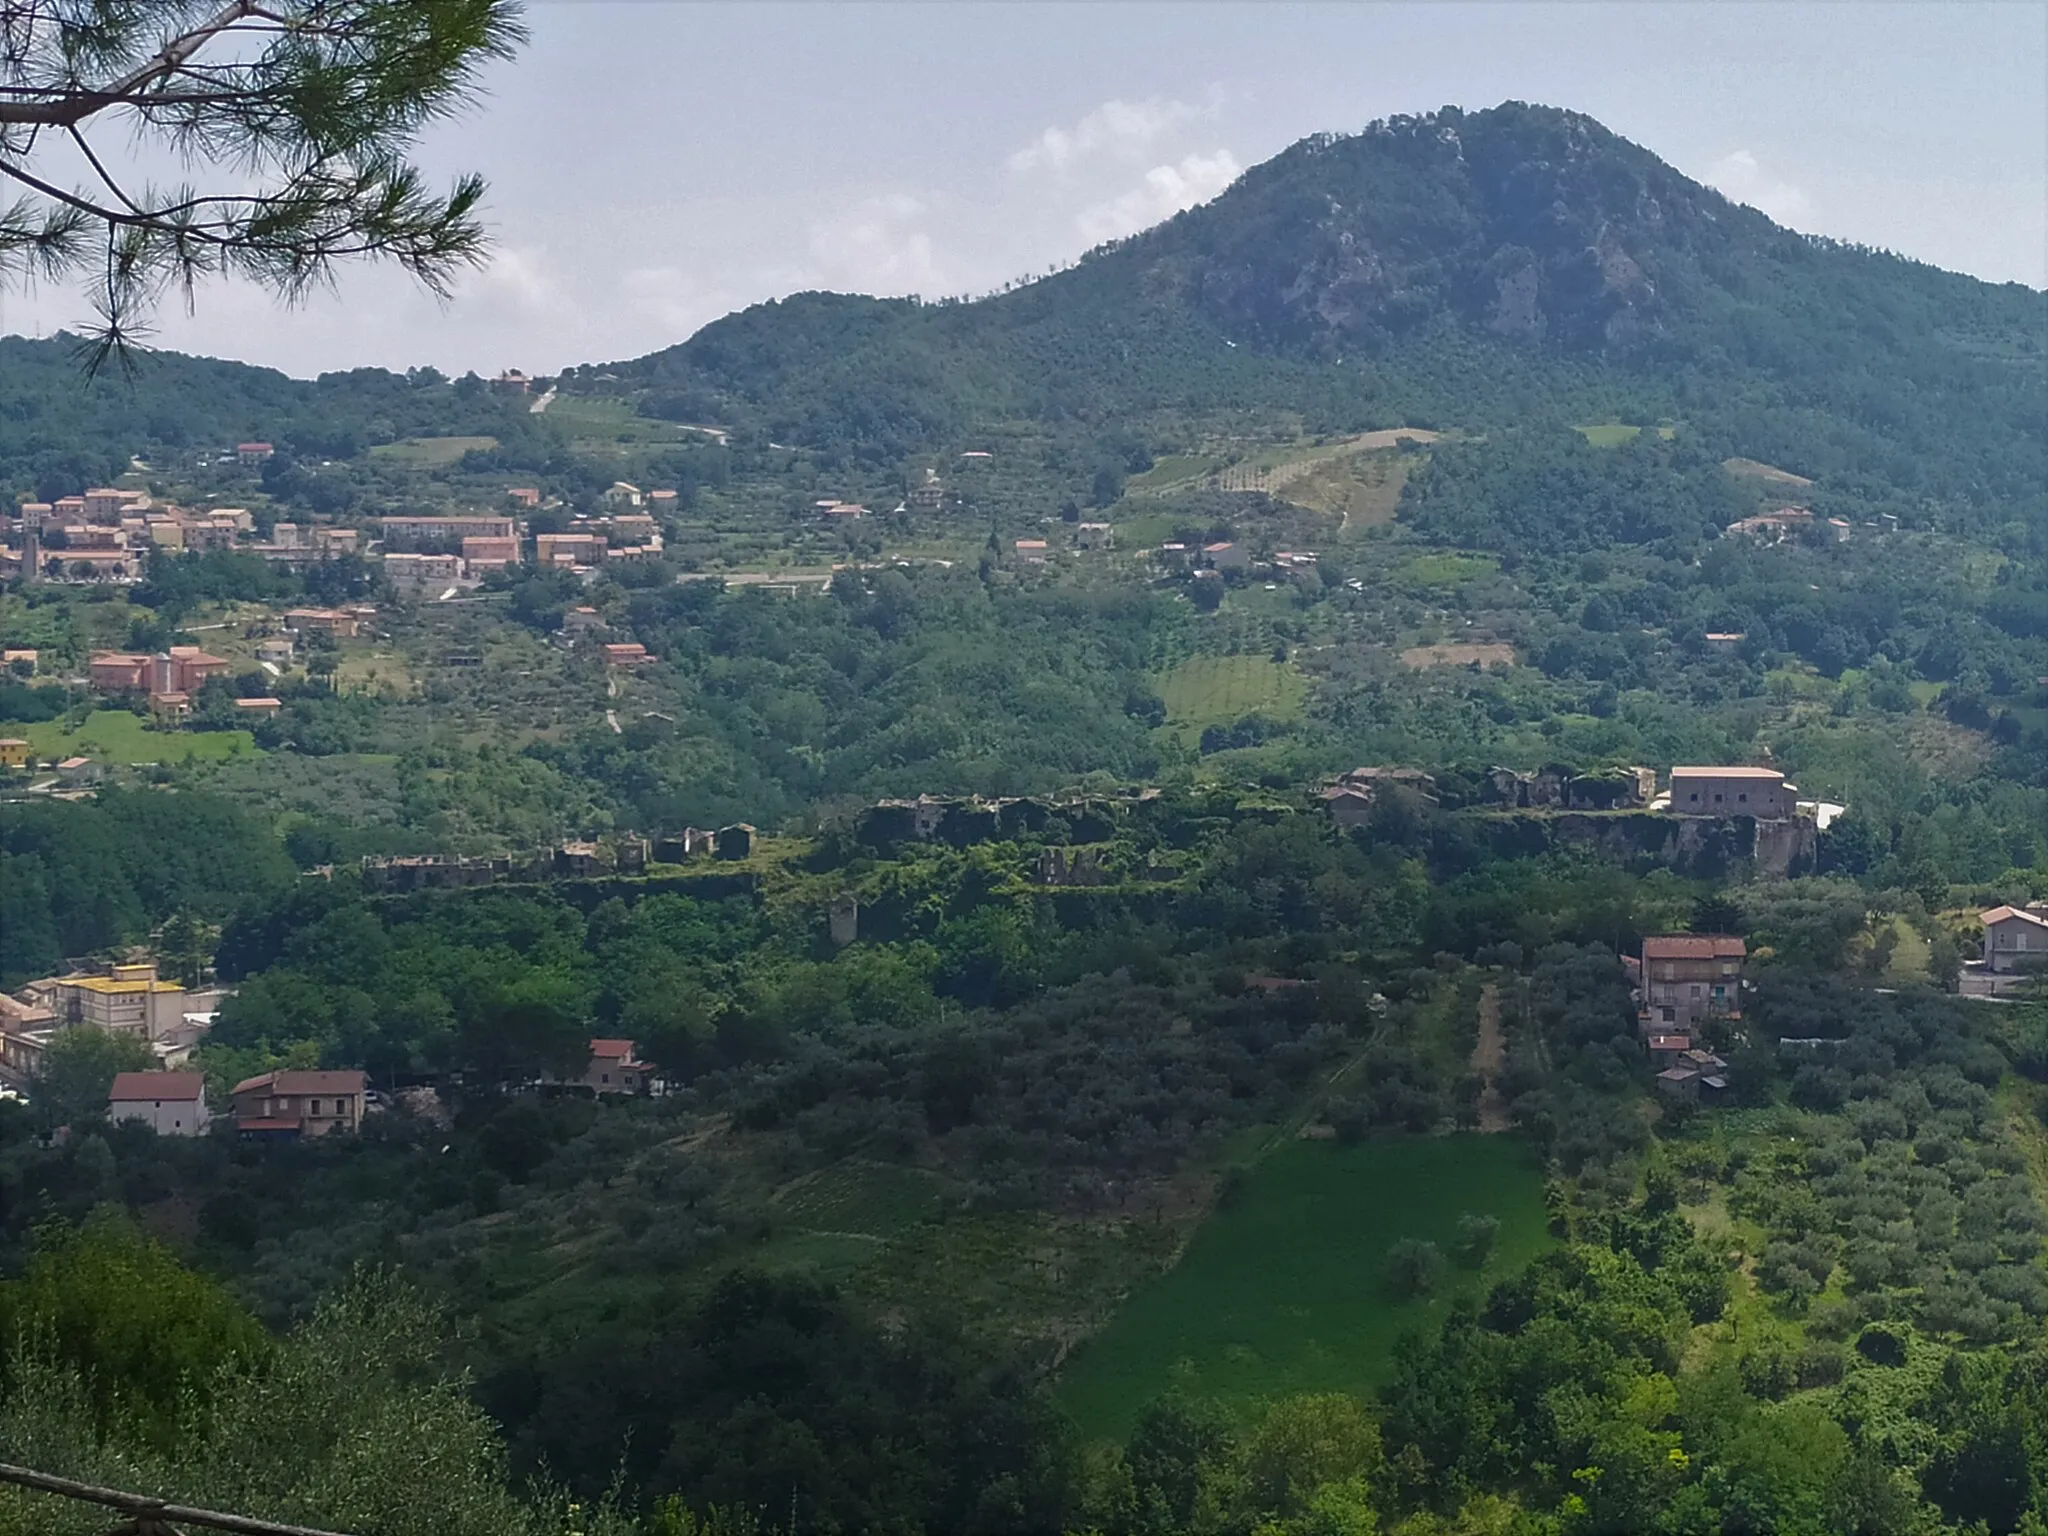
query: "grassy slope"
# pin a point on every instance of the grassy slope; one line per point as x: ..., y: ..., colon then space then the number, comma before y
x: 114, y: 735
x: 1282, y: 1291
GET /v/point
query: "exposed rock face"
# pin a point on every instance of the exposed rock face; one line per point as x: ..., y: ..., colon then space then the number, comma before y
x: 1525, y: 222
x: 1704, y: 847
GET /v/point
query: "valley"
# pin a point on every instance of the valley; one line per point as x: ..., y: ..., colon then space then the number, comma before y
x: 1000, y: 916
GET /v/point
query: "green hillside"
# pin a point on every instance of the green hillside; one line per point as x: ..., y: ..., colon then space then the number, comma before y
x: 1459, y: 268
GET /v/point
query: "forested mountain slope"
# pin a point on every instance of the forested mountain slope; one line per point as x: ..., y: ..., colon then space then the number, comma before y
x: 1459, y: 268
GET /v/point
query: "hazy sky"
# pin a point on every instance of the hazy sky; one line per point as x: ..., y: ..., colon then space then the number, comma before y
x: 654, y: 166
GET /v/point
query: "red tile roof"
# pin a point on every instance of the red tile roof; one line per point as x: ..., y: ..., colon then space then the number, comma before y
x: 1689, y: 946
x: 2001, y: 914
x: 130, y: 1087
x: 290, y: 1082
x: 611, y: 1049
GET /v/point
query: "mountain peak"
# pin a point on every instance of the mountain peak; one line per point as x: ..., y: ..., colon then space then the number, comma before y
x: 1527, y: 222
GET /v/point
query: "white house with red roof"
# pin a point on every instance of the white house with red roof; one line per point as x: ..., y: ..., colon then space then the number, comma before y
x: 169, y: 1103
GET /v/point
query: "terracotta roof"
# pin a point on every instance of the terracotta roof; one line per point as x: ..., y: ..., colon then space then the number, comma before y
x: 266, y: 1123
x: 1688, y: 946
x: 130, y: 1087
x: 1729, y: 773
x: 289, y: 1082
x: 2002, y: 914
x: 1671, y: 1042
x: 611, y: 1048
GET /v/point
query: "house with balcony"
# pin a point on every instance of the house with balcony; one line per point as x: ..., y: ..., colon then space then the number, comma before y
x: 1687, y: 977
x: 292, y: 1105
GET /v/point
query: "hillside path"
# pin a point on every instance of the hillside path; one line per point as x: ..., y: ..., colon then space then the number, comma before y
x: 1487, y: 1057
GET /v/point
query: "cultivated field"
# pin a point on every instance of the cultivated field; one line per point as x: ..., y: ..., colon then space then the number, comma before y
x: 1283, y: 1290
x: 1220, y: 690
x: 1264, y: 466
x: 433, y: 452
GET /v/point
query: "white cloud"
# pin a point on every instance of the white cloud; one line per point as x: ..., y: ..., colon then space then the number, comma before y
x: 518, y: 280
x: 1740, y: 176
x: 1165, y: 191
x: 1121, y: 129
x: 878, y: 246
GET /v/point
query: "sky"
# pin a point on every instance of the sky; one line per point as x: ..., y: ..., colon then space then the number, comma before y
x: 656, y: 165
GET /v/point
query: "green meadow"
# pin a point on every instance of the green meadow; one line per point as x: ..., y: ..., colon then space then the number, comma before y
x: 1218, y: 690
x: 1283, y: 1289
x: 116, y: 736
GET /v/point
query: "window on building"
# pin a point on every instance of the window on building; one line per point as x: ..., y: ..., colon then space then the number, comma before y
x: 1743, y: 798
x: 316, y: 1107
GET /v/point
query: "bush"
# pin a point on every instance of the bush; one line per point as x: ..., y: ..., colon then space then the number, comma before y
x: 1476, y: 1237
x: 1414, y: 1268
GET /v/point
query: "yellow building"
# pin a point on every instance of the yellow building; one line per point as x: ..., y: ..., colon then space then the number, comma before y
x: 128, y: 1001
x: 13, y: 752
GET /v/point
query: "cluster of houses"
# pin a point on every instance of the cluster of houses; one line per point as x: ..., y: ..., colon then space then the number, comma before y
x: 134, y: 1002
x: 169, y: 679
x: 1682, y: 981
x: 129, y: 1000
x: 1783, y: 523
x: 297, y: 1104
x: 584, y: 625
x: 108, y: 535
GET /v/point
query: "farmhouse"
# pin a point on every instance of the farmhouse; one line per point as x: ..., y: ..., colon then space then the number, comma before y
x: 1759, y: 792
x: 169, y: 1103
x: 2015, y: 940
x: 337, y: 622
x: 614, y: 1068
x: 1226, y: 557
x: 1687, y: 977
x: 291, y: 1105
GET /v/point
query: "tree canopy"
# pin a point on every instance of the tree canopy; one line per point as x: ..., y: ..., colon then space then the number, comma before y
x: 302, y: 112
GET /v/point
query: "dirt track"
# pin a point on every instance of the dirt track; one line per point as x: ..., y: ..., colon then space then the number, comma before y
x: 1487, y: 1057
